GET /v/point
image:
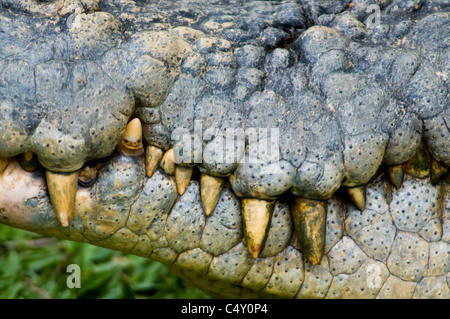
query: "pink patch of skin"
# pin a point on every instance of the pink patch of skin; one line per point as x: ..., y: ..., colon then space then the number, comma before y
x: 19, y: 184
x: 16, y: 187
x: 84, y: 202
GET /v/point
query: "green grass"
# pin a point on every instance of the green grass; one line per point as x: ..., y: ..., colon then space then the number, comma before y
x: 32, y: 266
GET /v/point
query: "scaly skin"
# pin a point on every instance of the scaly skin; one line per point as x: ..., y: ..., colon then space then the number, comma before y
x: 350, y: 104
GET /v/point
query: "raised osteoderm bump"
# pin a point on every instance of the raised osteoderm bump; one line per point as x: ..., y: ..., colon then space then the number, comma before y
x: 270, y: 148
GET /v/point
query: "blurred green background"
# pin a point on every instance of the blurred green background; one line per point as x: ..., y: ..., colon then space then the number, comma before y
x: 32, y: 266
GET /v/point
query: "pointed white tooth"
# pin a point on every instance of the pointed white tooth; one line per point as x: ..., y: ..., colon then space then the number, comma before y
x: 167, y: 163
x: 358, y: 196
x: 133, y: 131
x: 309, y: 218
x: 210, y: 188
x: 183, y: 176
x: 131, y: 143
x: 257, y: 214
x: 437, y: 171
x: 396, y: 173
x: 62, y: 189
x: 419, y: 164
x: 28, y: 161
x: 153, y: 155
x: 88, y: 174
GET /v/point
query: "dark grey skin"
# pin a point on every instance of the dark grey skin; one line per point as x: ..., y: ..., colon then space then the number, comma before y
x: 348, y: 99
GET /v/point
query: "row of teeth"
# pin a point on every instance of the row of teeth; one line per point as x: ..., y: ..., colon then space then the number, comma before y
x: 308, y: 215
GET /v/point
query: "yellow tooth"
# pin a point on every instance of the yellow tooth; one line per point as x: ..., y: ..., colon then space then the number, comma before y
x: 183, y: 176
x: 358, y: 196
x: 28, y: 161
x: 133, y: 131
x: 167, y: 163
x: 88, y: 175
x: 62, y: 188
x: 257, y: 214
x: 153, y: 155
x: 396, y: 173
x: 437, y: 171
x: 3, y: 164
x: 131, y: 143
x: 419, y: 164
x: 210, y: 188
x: 309, y: 217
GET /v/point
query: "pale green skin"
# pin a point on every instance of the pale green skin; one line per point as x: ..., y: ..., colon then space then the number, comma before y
x: 398, y: 246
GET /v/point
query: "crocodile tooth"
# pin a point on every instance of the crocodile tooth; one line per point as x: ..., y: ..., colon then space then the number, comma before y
x: 88, y: 175
x: 358, y: 196
x: 396, y: 173
x: 210, y: 188
x: 131, y: 142
x: 28, y: 161
x: 3, y: 164
x: 437, y: 171
x: 309, y: 217
x: 183, y: 176
x: 167, y: 163
x: 153, y: 155
x: 256, y: 214
x: 62, y: 188
x: 419, y: 164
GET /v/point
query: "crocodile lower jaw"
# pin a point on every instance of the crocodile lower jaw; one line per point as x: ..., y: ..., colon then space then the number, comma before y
x: 124, y: 209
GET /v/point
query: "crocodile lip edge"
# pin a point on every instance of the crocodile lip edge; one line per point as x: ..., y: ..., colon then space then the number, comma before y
x: 26, y: 205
